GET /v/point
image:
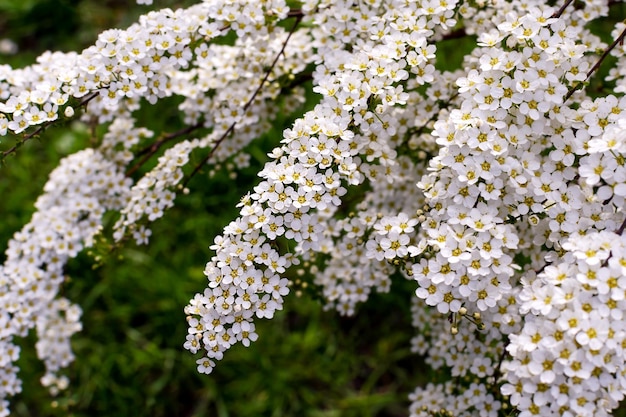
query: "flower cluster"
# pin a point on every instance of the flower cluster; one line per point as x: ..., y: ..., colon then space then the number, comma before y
x: 468, y: 347
x: 568, y: 358
x: 520, y: 174
x: 124, y: 65
x: 94, y: 181
x: 303, y: 185
x: 68, y: 217
x: 225, y: 90
x: 497, y: 188
x: 489, y: 169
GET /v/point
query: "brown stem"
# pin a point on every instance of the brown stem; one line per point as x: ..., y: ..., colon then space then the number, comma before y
x: 295, y: 13
x: 619, y: 231
x: 455, y: 34
x: 621, y: 228
x: 298, y: 81
x: 87, y: 99
x: 231, y: 128
x: 41, y: 128
x: 418, y: 130
x: 498, y: 370
x: 559, y: 12
x: 149, y: 151
x: 618, y: 40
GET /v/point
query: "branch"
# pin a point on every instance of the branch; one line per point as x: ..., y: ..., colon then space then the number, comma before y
x: 498, y: 373
x: 149, y: 151
x: 559, y: 12
x: 298, y: 81
x: 620, y: 231
x: 295, y: 13
x: 455, y: 34
x: 419, y: 130
x: 618, y: 40
x: 41, y: 128
x: 247, y: 105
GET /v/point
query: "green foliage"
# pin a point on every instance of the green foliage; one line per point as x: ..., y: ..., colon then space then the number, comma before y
x: 130, y: 360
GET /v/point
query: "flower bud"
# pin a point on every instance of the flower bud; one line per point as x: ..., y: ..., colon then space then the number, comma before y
x: 69, y: 111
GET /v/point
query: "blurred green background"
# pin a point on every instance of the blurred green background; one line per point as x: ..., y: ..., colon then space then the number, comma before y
x: 130, y: 359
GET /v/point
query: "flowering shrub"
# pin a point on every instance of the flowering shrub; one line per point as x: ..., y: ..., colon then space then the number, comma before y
x: 498, y: 188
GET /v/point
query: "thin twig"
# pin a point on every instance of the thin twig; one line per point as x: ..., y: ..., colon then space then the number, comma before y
x: 87, y: 99
x: 297, y: 81
x: 295, y: 13
x: 418, y: 130
x: 149, y: 151
x: 619, y: 231
x: 455, y: 34
x: 621, y: 228
x: 41, y: 128
x: 593, y: 69
x: 498, y: 372
x: 247, y: 105
x: 559, y: 12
